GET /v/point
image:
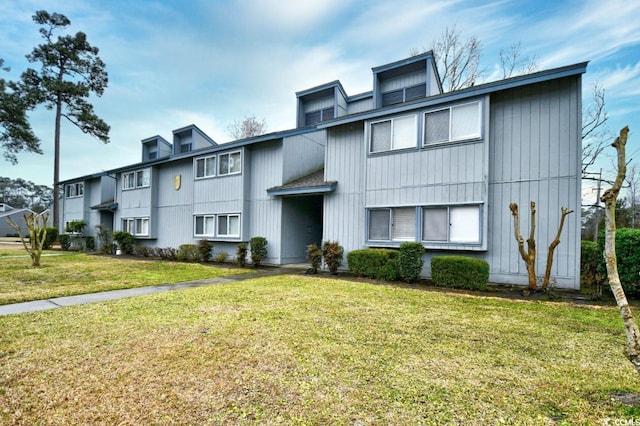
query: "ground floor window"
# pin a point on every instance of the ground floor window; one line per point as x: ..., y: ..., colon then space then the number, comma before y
x: 451, y: 224
x: 137, y: 226
x: 441, y: 224
x: 392, y: 224
x: 217, y: 225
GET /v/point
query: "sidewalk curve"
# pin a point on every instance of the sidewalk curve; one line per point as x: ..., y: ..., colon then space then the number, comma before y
x: 80, y: 299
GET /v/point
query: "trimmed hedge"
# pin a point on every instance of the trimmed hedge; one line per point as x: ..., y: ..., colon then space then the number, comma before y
x: 590, y: 260
x: 380, y: 264
x: 628, y: 254
x: 410, y: 261
x: 52, y: 237
x: 459, y: 272
x: 258, y: 246
x: 188, y: 253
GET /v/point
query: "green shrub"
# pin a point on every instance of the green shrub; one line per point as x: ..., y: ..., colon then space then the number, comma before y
x: 188, y: 253
x: 167, y: 253
x: 222, y: 257
x: 241, y: 254
x: 332, y: 253
x: 590, y: 260
x: 628, y: 255
x: 105, y: 239
x: 125, y: 241
x: 380, y: 264
x: 65, y: 241
x: 76, y: 226
x: 205, y: 247
x: 258, y: 250
x: 90, y: 243
x: 410, y: 261
x: 460, y: 272
x: 144, y: 251
x: 314, y: 256
x: 52, y: 236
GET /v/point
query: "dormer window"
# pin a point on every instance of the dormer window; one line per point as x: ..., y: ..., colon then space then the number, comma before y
x: 317, y: 116
x: 404, y: 95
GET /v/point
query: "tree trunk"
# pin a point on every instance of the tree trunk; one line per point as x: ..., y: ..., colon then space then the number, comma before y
x: 552, y: 247
x: 609, y: 198
x: 529, y: 256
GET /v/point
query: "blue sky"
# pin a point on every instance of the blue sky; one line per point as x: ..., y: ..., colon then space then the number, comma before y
x: 206, y: 62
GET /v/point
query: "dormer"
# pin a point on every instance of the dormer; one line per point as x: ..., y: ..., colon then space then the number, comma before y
x: 321, y: 103
x: 155, y: 147
x: 406, y: 80
x: 190, y: 138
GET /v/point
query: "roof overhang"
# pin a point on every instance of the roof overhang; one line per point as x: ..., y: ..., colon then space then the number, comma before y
x: 109, y: 206
x: 311, y: 184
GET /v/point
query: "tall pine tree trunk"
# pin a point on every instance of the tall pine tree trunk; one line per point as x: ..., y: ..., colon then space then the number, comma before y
x: 609, y: 198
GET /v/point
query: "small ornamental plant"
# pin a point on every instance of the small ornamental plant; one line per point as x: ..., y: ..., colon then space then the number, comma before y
x: 241, y: 254
x: 314, y: 256
x: 332, y: 253
x: 258, y: 247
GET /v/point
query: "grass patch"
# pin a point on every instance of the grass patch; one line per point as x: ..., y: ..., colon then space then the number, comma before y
x: 71, y: 273
x: 302, y: 350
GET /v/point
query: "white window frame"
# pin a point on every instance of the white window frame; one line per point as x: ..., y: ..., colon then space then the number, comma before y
x: 393, y: 144
x: 476, y: 134
x: 456, y: 217
x: 205, y: 168
x: 228, y: 155
x: 140, y: 224
x: 134, y: 176
x: 74, y: 190
x: 392, y: 233
x: 129, y: 225
x: 228, y: 216
x: 204, y: 217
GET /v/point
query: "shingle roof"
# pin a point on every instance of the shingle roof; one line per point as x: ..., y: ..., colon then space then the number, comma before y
x: 309, y: 184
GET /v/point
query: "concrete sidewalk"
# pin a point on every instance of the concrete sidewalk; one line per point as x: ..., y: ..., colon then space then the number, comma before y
x: 80, y: 299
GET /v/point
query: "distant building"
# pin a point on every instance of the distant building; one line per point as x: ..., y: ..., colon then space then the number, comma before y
x: 402, y: 162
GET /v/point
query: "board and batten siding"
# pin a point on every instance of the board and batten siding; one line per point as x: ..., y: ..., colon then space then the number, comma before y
x: 264, y: 211
x: 535, y: 156
x: 344, y: 216
x: 302, y: 155
x: 438, y: 175
x: 172, y: 217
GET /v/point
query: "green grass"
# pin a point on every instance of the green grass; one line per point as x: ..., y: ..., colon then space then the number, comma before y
x: 303, y: 350
x: 71, y: 273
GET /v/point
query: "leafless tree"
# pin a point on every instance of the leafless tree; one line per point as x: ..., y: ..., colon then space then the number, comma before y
x: 609, y: 198
x: 247, y: 128
x: 633, y: 182
x: 595, y: 134
x: 458, y: 60
x: 37, y: 228
x: 512, y: 63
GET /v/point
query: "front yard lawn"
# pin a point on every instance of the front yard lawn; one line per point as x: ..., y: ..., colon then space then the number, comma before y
x: 71, y: 273
x: 304, y: 350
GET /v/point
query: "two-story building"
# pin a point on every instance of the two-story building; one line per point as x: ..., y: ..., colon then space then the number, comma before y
x: 403, y: 162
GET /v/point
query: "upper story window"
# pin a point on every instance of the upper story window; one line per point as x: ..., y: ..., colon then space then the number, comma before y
x: 137, y: 179
x: 206, y: 167
x: 229, y: 163
x: 74, y: 190
x: 317, y: 116
x: 395, y: 133
x: 456, y: 123
x: 405, y: 94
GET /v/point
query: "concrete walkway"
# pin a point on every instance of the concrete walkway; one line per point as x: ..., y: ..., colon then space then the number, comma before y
x: 80, y: 299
